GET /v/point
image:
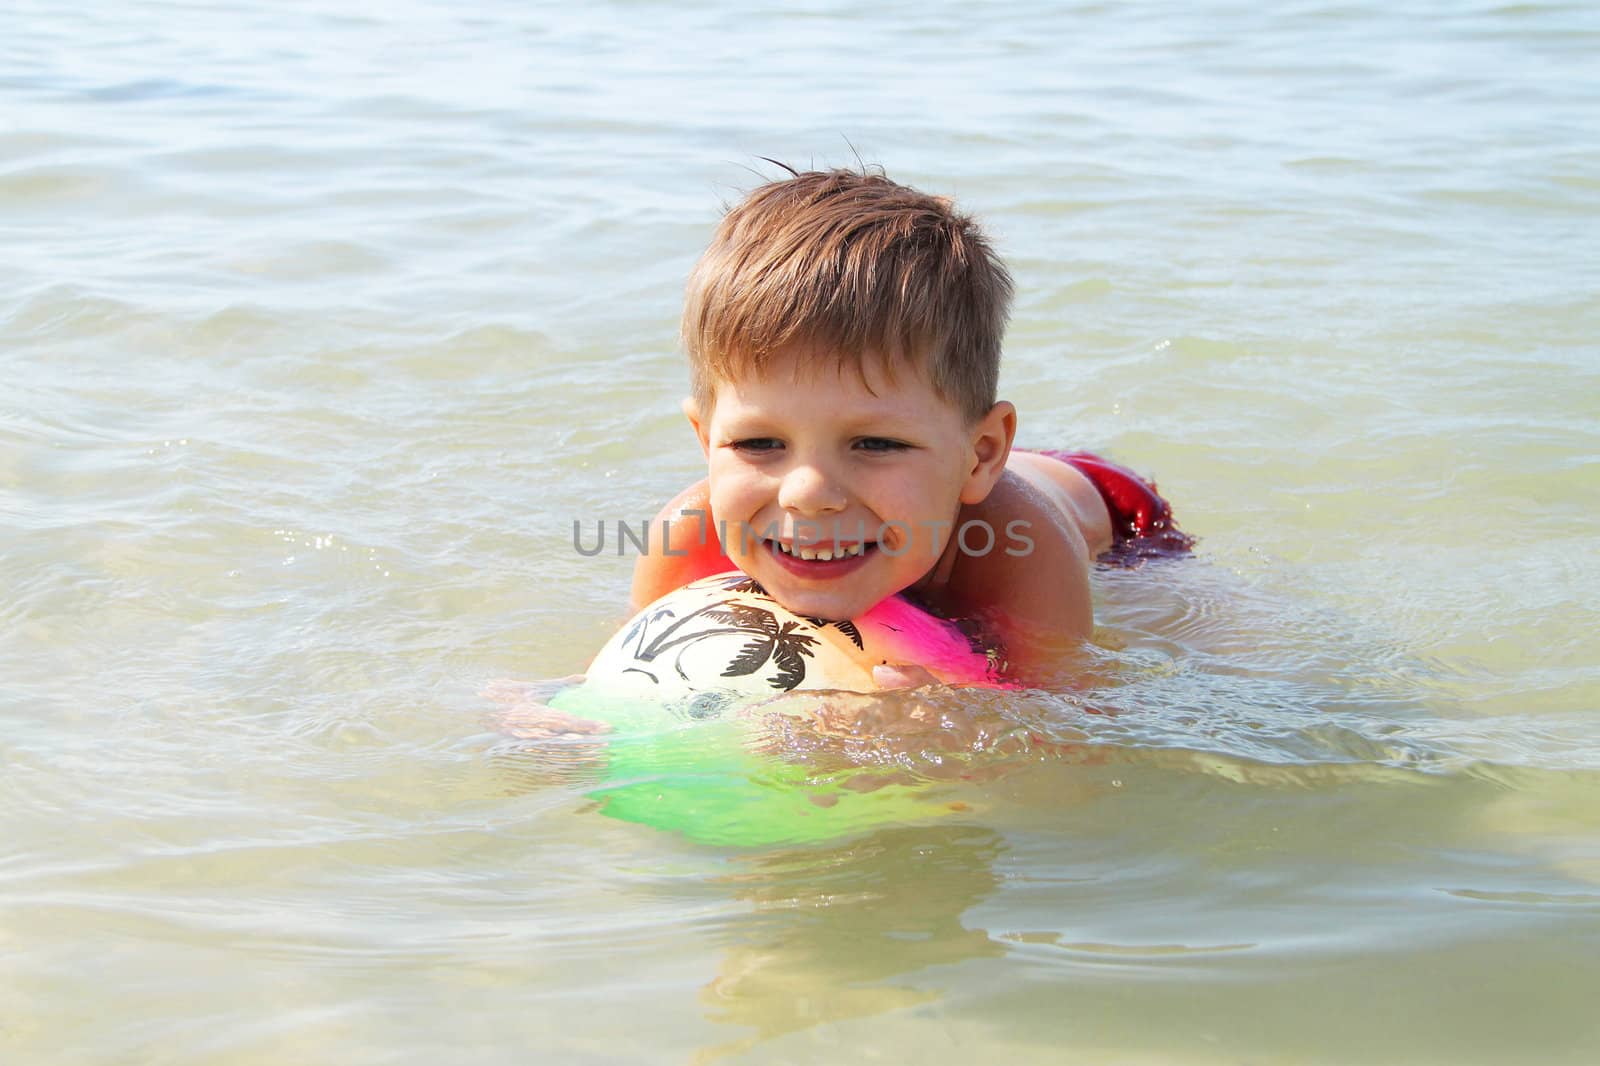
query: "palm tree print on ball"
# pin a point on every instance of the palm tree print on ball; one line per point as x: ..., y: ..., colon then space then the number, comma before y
x: 785, y: 646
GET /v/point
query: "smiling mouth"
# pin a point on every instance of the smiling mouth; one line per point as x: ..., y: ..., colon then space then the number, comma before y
x: 821, y: 553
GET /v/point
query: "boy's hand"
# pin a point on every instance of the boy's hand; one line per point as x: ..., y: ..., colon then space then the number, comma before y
x: 901, y: 675
x: 505, y: 690
x: 527, y: 715
x: 534, y: 721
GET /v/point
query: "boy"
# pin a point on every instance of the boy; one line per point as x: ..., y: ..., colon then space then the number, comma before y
x: 844, y: 336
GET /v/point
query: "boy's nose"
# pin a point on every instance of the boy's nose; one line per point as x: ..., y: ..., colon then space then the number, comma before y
x: 807, y: 489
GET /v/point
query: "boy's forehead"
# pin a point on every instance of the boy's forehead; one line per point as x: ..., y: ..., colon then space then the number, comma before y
x: 869, y: 384
x: 870, y: 372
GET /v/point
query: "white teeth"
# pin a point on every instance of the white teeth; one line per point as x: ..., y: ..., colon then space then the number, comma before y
x: 823, y: 555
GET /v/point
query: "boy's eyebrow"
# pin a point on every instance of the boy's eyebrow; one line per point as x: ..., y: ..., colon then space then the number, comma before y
x: 905, y: 428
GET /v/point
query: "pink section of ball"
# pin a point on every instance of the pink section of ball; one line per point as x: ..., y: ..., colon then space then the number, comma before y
x: 905, y: 634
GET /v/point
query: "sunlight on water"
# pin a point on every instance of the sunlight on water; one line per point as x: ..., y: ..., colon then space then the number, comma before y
x: 323, y: 326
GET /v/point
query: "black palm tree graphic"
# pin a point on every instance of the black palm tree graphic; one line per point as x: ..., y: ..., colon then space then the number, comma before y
x: 742, y: 583
x: 847, y: 628
x: 782, y: 645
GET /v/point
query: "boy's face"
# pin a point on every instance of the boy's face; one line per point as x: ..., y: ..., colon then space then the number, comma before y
x: 812, y: 460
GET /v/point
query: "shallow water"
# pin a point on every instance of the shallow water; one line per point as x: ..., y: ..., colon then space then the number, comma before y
x: 321, y: 327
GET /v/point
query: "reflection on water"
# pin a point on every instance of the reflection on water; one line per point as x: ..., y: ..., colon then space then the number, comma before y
x: 843, y: 933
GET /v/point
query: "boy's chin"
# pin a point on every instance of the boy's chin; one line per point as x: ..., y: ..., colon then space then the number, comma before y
x: 810, y: 603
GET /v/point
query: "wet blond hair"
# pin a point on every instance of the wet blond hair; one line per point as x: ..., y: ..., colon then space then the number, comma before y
x: 849, y: 266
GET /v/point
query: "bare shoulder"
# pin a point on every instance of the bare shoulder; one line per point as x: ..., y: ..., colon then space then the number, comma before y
x: 1033, y: 583
x: 1069, y: 490
x: 1035, y: 520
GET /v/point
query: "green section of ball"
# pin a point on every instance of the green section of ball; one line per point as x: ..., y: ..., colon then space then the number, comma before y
x: 666, y: 768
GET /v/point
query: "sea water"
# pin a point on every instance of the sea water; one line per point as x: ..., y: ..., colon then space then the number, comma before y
x: 321, y: 324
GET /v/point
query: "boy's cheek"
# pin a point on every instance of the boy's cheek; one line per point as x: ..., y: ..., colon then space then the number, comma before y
x: 737, y: 538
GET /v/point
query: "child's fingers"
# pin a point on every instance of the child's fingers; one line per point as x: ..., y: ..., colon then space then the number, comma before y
x: 536, y: 721
x: 901, y: 675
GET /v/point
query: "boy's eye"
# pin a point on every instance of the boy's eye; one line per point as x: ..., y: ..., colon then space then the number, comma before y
x: 881, y: 444
x: 757, y: 444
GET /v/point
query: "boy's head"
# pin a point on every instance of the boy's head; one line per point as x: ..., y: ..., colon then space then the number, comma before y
x: 844, y: 334
x: 856, y: 268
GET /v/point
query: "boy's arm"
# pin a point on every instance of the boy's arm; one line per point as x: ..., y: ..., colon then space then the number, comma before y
x: 1033, y: 586
x: 683, y: 547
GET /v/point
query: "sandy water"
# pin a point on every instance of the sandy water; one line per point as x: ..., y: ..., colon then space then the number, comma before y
x: 319, y: 327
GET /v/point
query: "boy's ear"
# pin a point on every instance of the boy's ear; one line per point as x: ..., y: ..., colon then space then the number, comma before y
x: 991, y: 447
x: 691, y: 411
